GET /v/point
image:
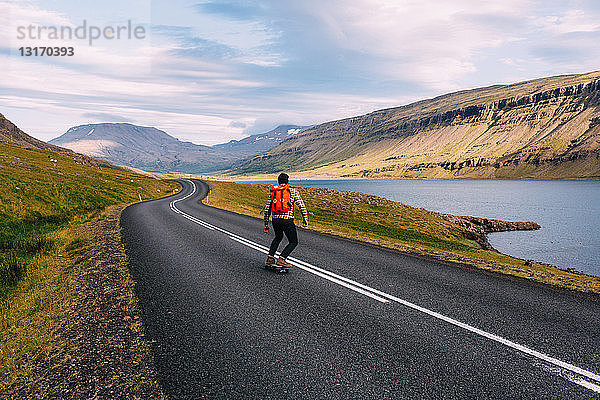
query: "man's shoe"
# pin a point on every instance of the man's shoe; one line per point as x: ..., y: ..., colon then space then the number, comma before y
x: 271, y: 260
x: 281, y: 263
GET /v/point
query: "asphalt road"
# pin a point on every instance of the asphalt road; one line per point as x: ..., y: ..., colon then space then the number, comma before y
x: 385, y: 326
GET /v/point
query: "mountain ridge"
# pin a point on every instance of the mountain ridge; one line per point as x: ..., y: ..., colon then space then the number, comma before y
x: 142, y: 147
x: 521, y: 130
x: 261, y: 142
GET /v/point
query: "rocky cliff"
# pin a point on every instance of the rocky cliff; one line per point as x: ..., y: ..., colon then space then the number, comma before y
x: 546, y: 128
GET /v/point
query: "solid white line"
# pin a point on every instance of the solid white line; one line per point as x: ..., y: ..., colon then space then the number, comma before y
x: 371, y: 292
x: 358, y: 287
x: 568, y: 375
x: 585, y: 384
x: 317, y: 273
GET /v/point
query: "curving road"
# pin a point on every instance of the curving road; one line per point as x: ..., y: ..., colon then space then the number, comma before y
x: 350, y: 321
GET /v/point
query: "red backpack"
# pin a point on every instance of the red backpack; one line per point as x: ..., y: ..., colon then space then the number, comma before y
x: 281, y: 199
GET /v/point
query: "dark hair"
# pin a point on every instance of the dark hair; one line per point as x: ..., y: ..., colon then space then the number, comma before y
x: 283, y: 178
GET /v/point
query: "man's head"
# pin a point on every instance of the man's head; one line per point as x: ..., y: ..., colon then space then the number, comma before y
x: 283, y: 179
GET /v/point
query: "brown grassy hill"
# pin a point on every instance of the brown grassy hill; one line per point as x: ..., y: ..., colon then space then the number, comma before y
x: 11, y: 134
x: 544, y: 128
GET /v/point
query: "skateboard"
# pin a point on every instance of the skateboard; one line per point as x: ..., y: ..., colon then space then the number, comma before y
x: 274, y: 268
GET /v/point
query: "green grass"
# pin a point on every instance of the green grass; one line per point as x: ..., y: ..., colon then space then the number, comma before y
x: 45, y: 206
x: 42, y: 191
x: 398, y: 233
x: 19, y: 240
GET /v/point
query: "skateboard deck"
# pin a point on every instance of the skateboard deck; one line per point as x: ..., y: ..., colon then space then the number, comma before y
x: 276, y: 268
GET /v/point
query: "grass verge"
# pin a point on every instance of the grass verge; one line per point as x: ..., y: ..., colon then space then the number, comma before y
x: 69, y: 322
x: 386, y: 223
x: 72, y: 327
x: 41, y: 191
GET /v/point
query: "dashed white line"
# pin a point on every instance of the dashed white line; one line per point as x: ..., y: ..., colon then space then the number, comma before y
x: 385, y: 298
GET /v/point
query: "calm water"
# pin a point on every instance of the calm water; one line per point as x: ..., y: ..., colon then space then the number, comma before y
x: 568, y: 211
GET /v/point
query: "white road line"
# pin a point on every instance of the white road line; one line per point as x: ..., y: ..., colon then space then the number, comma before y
x: 568, y: 375
x: 583, y: 382
x: 317, y: 273
x: 358, y: 287
x: 345, y: 282
x: 384, y: 297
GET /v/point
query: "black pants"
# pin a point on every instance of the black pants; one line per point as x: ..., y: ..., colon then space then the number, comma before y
x: 281, y: 226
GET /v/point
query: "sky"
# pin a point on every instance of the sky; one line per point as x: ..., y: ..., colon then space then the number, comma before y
x: 212, y: 71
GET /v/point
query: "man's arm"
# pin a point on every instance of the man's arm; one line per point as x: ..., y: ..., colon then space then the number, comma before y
x: 267, y: 213
x: 298, y: 200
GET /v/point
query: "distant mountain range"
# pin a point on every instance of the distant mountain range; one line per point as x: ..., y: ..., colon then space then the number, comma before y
x: 545, y: 128
x: 260, y: 143
x: 154, y: 150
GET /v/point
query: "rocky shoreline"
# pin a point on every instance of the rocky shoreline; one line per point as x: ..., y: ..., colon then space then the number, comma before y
x: 477, y: 228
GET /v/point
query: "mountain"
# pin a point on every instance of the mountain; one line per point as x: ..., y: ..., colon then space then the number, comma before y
x: 260, y: 143
x: 11, y: 134
x: 151, y: 149
x: 544, y: 128
x: 146, y: 148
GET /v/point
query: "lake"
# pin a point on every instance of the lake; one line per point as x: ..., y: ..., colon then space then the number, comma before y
x: 568, y: 211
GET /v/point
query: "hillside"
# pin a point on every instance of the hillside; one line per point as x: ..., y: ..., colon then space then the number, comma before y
x: 43, y: 190
x: 259, y: 143
x: 11, y: 134
x: 63, y: 275
x: 544, y: 128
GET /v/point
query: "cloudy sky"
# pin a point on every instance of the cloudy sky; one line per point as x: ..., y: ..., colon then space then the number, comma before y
x: 211, y: 71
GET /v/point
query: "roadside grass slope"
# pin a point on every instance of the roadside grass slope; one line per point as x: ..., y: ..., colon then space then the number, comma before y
x: 46, y: 199
x: 42, y: 191
x: 397, y: 226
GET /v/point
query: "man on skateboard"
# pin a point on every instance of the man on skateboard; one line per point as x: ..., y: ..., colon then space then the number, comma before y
x: 281, y: 206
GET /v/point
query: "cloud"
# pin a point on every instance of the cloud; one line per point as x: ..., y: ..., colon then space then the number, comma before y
x: 567, y: 39
x: 569, y: 21
x: 188, y: 44
x: 570, y: 52
x: 237, y: 124
x: 231, y: 9
x: 433, y: 43
x: 106, y: 117
x: 219, y: 70
x: 351, y: 45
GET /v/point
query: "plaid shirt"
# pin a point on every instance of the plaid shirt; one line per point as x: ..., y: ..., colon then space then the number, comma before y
x: 295, y: 199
